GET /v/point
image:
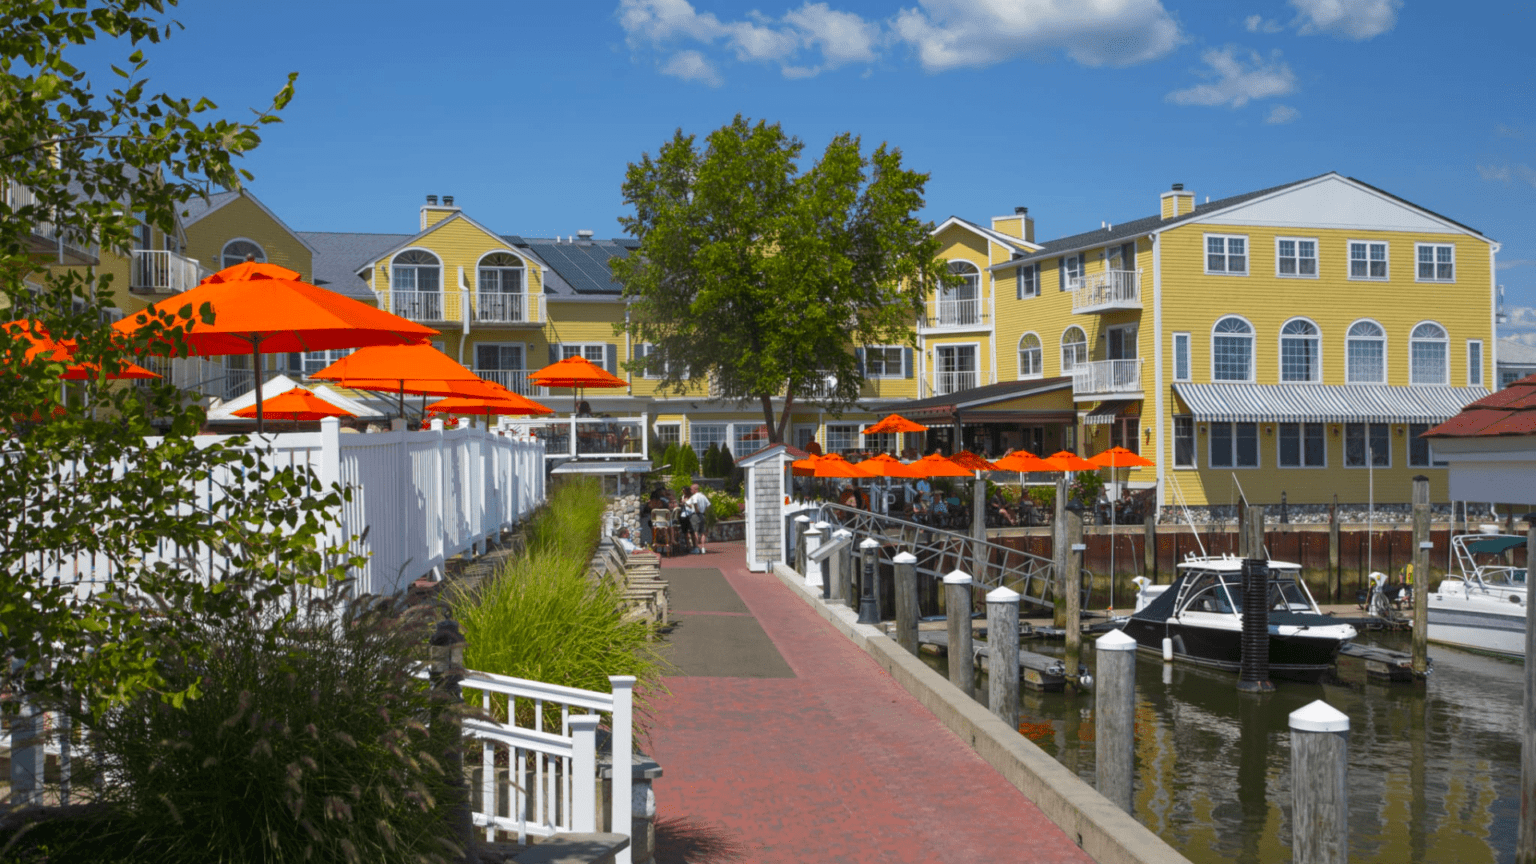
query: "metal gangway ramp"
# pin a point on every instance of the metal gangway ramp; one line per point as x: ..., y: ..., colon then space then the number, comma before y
x: 939, y: 552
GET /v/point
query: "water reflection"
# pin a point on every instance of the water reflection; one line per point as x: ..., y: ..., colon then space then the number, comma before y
x: 1434, y: 769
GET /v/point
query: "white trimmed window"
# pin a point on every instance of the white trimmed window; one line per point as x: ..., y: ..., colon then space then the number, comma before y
x: 1232, y: 350
x: 885, y: 361
x: 669, y: 433
x: 1420, y: 454
x: 701, y: 435
x: 1184, y: 442
x: 1436, y: 262
x: 500, y: 273
x: 1368, y: 260
x: 1028, y: 281
x: 842, y: 437
x: 1181, y: 357
x: 1226, y: 254
x: 596, y: 352
x: 314, y: 361
x: 1296, y: 257
x: 1365, y: 350
x: 654, y: 369
x: 1074, y: 349
x: 1361, y: 439
x: 236, y: 252
x: 1234, y: 445
x: 1301, y: 358
x: 1031, y: 356
x: 1303, y: 445
x: 1428, y: 353
x: 1474, y: 362
x: 1069, y: 271
x: 416, y: 270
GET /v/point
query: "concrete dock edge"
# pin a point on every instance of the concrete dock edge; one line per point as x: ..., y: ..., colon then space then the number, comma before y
x: 1108, y: 834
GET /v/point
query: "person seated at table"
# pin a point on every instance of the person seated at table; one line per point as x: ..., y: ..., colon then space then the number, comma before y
x: 847, y: 496
x: 998, y: 509
x: 583, y: 409
x: 917, y: 510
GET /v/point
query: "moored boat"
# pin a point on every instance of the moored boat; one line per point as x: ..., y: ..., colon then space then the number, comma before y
x: 1200, y: 614
x: 1485, y: 608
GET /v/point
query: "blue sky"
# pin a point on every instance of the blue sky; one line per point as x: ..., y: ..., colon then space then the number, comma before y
x: 1083, y: 110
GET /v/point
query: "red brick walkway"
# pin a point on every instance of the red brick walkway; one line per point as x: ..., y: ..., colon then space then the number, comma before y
x: 836, y: 764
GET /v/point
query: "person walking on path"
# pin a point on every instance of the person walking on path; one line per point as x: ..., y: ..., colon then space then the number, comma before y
x: 698, y: 507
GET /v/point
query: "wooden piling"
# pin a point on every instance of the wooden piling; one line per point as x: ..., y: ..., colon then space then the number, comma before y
x: 1114, y: 711
x: 812, y: 572
x: 1525, y: 843
x: 1149, y: 546
x: 1073, y: 593
x: 906, y: 600
x: 979, y: 555
x: 957, y: 601
x: 1253, y: 527
x: 1319, y: 799
x: 1003, y: 655
x: 1335, y: 573
x: 1421, y: 547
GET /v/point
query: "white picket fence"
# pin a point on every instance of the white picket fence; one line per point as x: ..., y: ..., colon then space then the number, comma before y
x: 422, y: 497
x: 539, y: 782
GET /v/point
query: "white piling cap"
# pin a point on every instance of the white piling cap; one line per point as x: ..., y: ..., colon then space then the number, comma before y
x: 869, y: 543
x: 813, y: 531
x: 905, y: 558
x: 802, y: 518
x: 842, y: 533
x: 1319, y: 716
x: 957, y: 577
x: 1114, y: 640
x: 1002, y: 594
x: 823, y: 524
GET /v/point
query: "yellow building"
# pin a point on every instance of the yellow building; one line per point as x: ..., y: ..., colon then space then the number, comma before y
x: 1294, y: 340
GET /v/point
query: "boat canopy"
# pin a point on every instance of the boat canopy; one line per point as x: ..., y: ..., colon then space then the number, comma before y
x: 1495, y: 545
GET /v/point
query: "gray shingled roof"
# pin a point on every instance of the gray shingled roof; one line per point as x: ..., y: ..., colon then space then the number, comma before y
x: 581, y: 266
x: 196, y: 207
x: 338, y: 257
x: 1516, y: 353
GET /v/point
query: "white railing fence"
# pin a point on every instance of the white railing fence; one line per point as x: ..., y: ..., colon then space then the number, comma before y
x: 417, y: 305
x: 1117, y: 289
x: 160, y: 270
x: 956, y: 313
x: 538, y: 781
x: 421, y: 498
x: 493, y: 307
x: 945, y: 383
x: 1107, y: 376
x: 515, y: 380
x: 595, y: 437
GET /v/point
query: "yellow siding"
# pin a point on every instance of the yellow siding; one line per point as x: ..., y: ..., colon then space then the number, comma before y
x: 242, y: 218
x: 457, y: 243
x: 1193, y: 301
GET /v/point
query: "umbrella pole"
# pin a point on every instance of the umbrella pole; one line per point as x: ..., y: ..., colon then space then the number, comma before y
x: 256, y: 375
x: 402, y: 399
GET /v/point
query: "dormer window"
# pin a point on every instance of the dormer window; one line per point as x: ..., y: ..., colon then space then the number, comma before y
x: 240, y: 251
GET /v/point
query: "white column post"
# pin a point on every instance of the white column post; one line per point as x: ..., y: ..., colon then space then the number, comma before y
x: 812, y: 540
x: 442, y: 492
x: 623, y: 756
x: 584, y: 774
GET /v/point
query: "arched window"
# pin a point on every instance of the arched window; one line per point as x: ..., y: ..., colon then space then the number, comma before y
x: 239, y: 251
x: 1031, y: 357
x: 416, y: 270
x: 501, y: 273
x: 960, y: 305
x: 1300, y: 352
x: 1365, y: 354
x: 1232, y: 350
x: 1074, y: 349
x: 1428, y: 355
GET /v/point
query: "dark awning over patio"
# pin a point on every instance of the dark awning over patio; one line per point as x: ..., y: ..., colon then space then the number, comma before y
x: 1041, y: 400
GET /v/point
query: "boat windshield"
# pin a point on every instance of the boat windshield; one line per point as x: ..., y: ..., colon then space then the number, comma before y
x: 1285, y: 591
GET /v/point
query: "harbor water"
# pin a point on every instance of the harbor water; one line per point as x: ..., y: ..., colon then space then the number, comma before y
x: 1434, y: 768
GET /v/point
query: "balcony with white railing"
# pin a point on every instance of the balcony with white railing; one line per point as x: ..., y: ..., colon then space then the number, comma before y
x: 945, y: 314
x: 156, y: 271
x: 608, y: 438
x: 493, y: 307
x: 515, y: 380
x: 48, y: 239
x: 945, y: 383
x: 1099, y: 378
x: 1109, y: 291
x: 432, y: 306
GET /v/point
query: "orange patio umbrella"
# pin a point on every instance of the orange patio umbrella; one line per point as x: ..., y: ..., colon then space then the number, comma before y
x: 1064, y: 461
x: 419, y: 369
x: 297, y: 405
x: 805, y: 467
x: 506, y: 402
x: 934, y: 465
x: 886, y: 465
x: 63, y: 351
x: 1024, y: 462
x: 834, y: 465
x: 967, y: 459
x: 576, y: 372
x: 894, y: 423
x: 1119, y: 457
x: 262, y: 308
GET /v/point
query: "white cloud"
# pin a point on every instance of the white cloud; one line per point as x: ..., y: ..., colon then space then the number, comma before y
x: 692, y: 66
x: 1508, y: 173
x: 1281, y: 114
x: 843, y: 37
x: 839, y: 37
x: 1238, y: 80
x: 1350, y: 19
x: 953, y: 33
x: 651, y: 21
x: 1520, y: 325
x: 1511, y: 263
x: 1259, y: 24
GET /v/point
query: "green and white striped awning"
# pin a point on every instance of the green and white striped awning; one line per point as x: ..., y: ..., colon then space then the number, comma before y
x: 1324, y: 403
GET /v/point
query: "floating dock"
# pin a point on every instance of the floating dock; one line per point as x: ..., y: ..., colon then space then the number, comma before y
x: 1036, y: 671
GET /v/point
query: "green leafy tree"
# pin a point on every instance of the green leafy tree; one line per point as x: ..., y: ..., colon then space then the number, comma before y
x: 687, y: 461
x: 709, y: 466
x: 83, y: 485
x: 762, y: 279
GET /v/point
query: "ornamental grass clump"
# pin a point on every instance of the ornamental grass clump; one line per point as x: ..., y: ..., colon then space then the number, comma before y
x: 545, y: 620
x: 311, y: 740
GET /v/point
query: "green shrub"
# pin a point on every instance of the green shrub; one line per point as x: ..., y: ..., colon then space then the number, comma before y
x: 668, y: 458
x: 687, y: 462
x: 310, y: 741
x: 723, y: 506
x: 1043, y: 496
x: 543, y: 618
x: 709, y: 466
x: 1086, y: 486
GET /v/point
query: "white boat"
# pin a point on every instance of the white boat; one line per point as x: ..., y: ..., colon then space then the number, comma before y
x: 1485, y: 608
